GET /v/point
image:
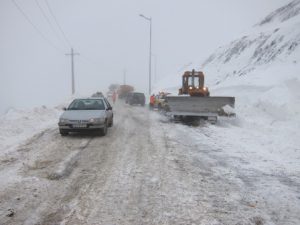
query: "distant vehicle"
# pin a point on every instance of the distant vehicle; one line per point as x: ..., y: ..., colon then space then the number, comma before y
x: 97, y: 94
x: 123, y: 91
x: 160, y: 100
x: 128, y: 96
x: 90, y: 114
x: 135, y: 98
x: 109, y: 94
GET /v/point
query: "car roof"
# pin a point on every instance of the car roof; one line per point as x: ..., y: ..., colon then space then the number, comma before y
x: 90, y: 98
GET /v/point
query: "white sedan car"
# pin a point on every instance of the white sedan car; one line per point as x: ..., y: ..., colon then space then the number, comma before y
x: 86, y: 114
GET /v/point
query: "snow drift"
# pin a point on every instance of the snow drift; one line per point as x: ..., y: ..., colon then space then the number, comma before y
x: 19, y: 125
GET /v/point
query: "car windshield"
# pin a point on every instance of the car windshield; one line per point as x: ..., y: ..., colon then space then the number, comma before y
x: 87, y: 104
x: 196, y: 81
x: 139, y: 95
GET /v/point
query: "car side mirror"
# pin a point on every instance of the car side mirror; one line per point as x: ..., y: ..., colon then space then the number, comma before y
x: 109, y: 108
x: 64, y: 108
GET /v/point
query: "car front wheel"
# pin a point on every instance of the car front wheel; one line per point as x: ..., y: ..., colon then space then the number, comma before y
x: 111, y: 122
x: 63, y: 132
x: 103, y: 131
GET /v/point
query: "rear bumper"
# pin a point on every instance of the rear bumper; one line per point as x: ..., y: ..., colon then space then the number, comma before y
x: 136, y: 102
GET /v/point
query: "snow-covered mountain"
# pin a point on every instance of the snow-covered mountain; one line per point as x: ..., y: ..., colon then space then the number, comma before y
x: 284, y: 13
x: 273, y: 42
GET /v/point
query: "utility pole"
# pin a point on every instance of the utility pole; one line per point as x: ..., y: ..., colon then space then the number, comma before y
x: 150, y: 49
x: 150, y: 56
x: 72, y: 69
x: 155, y: 67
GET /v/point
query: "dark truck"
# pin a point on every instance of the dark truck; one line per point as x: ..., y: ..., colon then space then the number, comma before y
x: 135, y: 98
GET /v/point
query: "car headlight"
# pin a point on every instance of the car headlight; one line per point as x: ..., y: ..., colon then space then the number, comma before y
x: 62, y: 120
x: 190, y: 88
x: 97, y: 120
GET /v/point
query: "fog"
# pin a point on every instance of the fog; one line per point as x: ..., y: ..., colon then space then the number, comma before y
x: 111, y: 37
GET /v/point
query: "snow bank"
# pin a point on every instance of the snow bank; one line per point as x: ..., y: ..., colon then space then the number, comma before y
x: 19, y: 125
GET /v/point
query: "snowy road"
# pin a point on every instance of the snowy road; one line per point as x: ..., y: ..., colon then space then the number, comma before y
x: 145, y: 171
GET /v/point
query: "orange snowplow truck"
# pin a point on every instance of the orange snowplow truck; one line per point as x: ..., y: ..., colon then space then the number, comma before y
x: 194, y: 100
x: 193, y: 84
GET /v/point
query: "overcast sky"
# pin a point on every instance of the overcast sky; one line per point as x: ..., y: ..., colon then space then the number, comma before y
x: 110, y: 37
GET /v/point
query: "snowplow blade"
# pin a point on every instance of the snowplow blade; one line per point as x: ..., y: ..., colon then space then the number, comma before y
x: 198, y: 106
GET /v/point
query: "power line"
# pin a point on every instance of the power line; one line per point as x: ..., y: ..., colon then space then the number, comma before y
x: 51, y: 25
x: 48, y: 21
x: 35, y: 27
x: 64, y: 35
x: 56, y: 21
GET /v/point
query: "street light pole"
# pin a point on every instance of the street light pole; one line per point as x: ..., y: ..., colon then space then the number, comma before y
x: 155, y: 67
x: 150, y: 49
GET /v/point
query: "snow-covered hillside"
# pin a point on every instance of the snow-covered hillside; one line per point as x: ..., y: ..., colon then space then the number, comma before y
x: 274, y: 42
x: 267, y: 55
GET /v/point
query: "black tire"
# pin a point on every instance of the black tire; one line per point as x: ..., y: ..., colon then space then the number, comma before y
x: 111, y: 123
x: 159, y: 107
x: 103, y: 131
x: 166, y: 108
x: 63, y: 132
